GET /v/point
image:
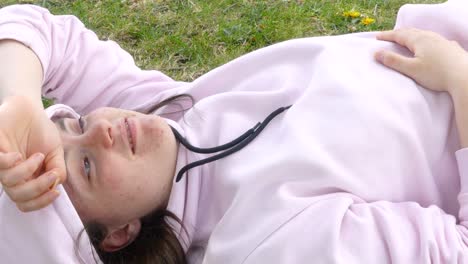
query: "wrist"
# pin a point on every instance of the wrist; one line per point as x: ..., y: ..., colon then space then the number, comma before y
x: 16, y: 113
x: 457, y: 76
x: 458, y: 89
x: 34, y: 100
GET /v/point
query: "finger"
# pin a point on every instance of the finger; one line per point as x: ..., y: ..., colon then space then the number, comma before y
x: 32, y: 189
x: 55, y: 161
x: 38, y: 203
x: 396, y: 61
x: 405, y: 37
x: 22, y: 171
x: 9, y: 159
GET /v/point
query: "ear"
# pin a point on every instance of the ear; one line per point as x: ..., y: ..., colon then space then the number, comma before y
x: 120, y: 237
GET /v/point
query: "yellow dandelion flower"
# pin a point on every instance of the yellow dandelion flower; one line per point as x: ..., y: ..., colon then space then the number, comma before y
x: 354, y: 14
x: 351, y: 14
x: 367, y: 21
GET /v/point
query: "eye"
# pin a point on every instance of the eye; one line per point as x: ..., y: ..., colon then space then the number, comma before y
x: 87, y: 167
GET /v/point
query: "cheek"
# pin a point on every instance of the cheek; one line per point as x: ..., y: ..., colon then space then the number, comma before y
x: 114, y: 180
x: 158, y: 136
x: 123, y: 180
x: 112, y: 174
x: 153, y: 132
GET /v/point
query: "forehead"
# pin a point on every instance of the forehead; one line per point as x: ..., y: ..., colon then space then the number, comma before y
x: 60, y: 124
x: 71, y: 186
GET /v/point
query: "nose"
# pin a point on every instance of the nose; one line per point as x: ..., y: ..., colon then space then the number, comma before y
x: 100, y: 133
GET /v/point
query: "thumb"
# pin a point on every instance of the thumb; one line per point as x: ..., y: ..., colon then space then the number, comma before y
x: 396, y: 61
x: 55, y: 161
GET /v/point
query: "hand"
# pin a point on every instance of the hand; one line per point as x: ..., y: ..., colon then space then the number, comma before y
x: 30, y: 194
x: 30, y: 152
x: 438, y: 64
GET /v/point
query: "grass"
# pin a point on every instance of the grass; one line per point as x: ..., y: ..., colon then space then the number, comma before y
x: 186, y: 38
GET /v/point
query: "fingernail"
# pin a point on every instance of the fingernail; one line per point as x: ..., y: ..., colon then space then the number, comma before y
x: 52, y: 178
x: 379, y: 56
x: 39, y: 156
x: 56, y: 183
x: 17, y: 157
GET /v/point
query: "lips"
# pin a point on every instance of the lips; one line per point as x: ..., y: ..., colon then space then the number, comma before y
x: 130, y: 131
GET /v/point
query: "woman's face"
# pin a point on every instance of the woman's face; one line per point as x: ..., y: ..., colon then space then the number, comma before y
x: 120, y: 164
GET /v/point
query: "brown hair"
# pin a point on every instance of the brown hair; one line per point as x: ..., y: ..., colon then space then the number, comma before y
x: 157, y: 241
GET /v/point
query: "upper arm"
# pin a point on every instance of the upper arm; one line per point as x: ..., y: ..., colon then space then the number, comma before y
x: 79, y: 69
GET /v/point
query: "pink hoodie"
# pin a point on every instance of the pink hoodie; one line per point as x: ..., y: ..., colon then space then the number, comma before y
x: 361, y: 169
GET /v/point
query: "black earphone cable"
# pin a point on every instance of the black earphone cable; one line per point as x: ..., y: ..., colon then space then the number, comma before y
x: 232, y: 146
x: 236, y: 141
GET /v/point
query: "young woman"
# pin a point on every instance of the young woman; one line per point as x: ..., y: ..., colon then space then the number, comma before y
x: 311, y: 171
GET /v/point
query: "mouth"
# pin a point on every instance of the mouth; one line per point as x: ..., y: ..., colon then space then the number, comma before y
x: 130, y: 134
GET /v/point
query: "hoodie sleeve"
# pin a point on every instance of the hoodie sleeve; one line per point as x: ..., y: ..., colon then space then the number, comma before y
x: 342, y: 228
x: 79, y: 69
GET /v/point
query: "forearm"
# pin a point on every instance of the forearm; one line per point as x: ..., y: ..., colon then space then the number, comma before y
x: 20, y: 71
